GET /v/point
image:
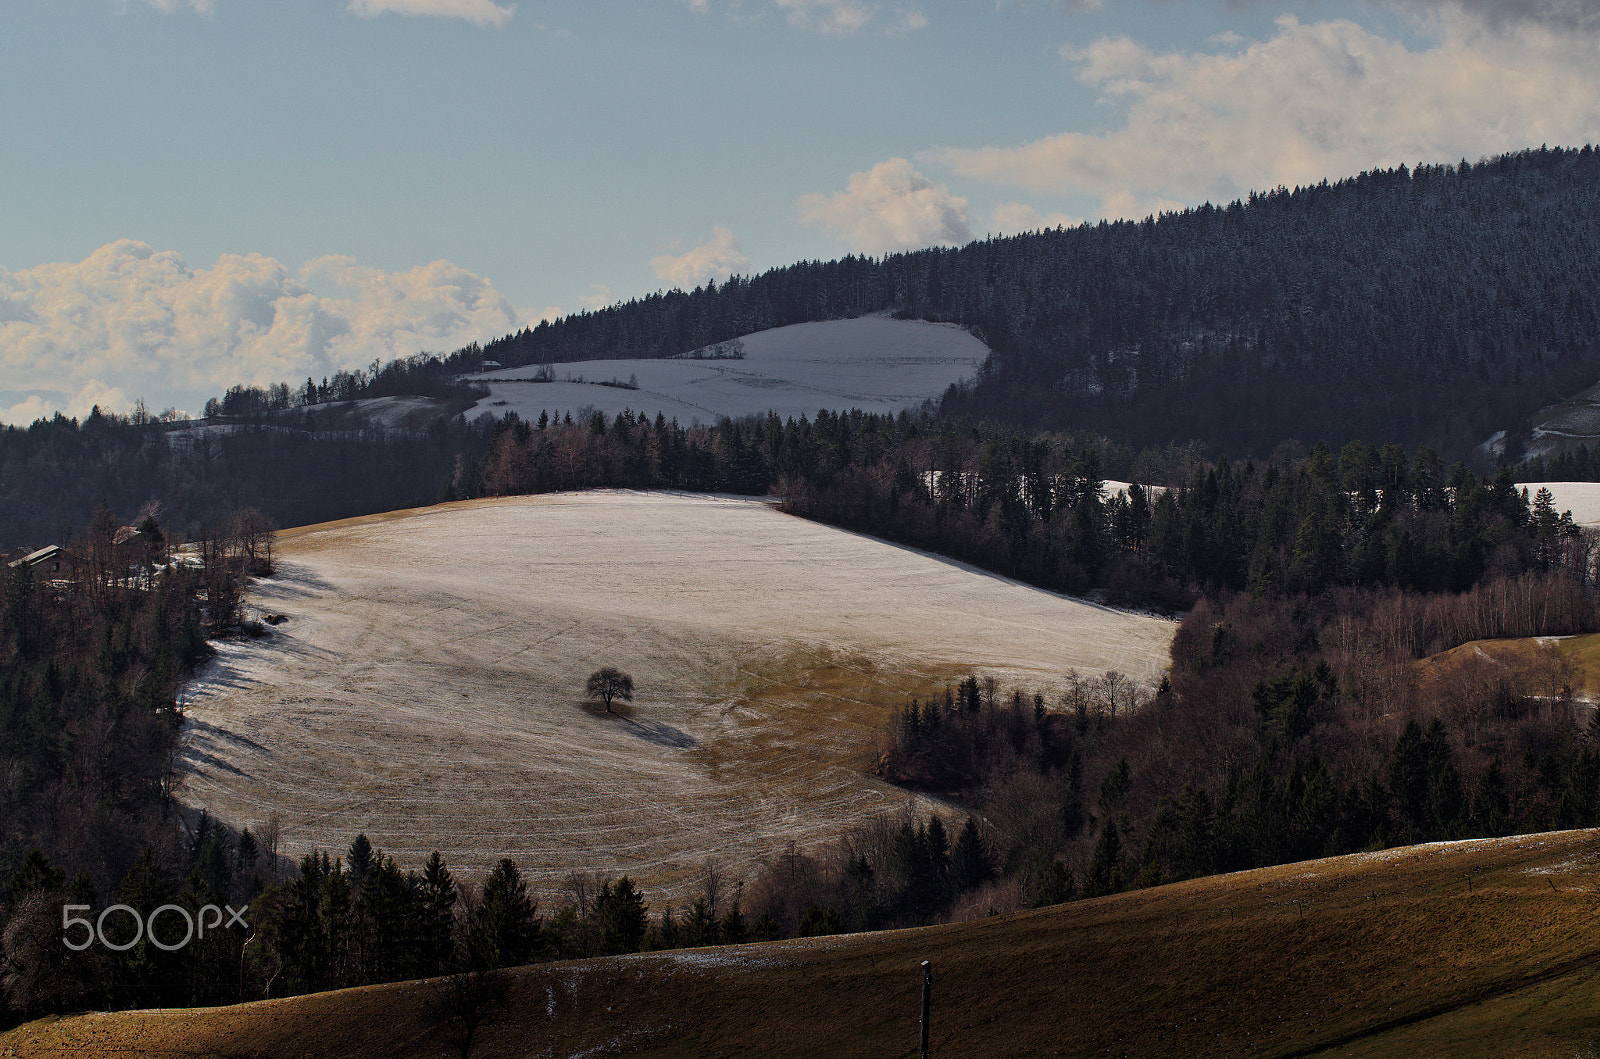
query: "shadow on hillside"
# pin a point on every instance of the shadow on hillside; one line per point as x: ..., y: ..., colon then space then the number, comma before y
x: 650, y: 731
x: 663, y: 735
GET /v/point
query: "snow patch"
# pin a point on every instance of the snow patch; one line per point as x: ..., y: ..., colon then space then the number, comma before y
x: 1581, y: 498
x: 871, y: 363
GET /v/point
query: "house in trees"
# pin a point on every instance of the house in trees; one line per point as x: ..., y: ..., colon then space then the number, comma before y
x: 127, y: 551
x: 46, y: 560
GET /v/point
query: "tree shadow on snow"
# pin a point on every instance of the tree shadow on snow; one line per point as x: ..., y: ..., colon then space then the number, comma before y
x: 663, y: 734
x: 650, y: 731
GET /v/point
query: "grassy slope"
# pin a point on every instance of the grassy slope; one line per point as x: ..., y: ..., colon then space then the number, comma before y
x: 1472, y: 949
x: 1582, y: 651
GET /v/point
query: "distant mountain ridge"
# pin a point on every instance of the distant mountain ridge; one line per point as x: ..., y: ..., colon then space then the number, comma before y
x: 1432, y: 306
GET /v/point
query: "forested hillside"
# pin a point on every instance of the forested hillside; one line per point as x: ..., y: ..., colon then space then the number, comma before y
x: 1429, y: 306
x: 297, y: 468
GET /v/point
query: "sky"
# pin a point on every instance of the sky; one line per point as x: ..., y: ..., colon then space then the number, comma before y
x: 202, y: 193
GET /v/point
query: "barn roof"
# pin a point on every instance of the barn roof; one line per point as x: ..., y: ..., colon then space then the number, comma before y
x: 34, y: 558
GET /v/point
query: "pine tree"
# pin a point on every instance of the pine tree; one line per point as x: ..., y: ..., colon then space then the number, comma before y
x: 969, y: 861
x: 508, y: 931
x: 359, y: 860
x: 1105, y: 870
x: 623, y: 917
x: 436, y: 898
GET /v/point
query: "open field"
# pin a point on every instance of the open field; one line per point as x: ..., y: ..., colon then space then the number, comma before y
x: 1581, y: 498
x: 872, y: 363
x: 427, y: 686
x: 1485, y: 948
x: 1575, y: 665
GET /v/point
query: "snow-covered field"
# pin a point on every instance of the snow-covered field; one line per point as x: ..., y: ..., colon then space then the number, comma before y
x: 1581, y: 498
x: 873, y: 363
x: 427, y: 687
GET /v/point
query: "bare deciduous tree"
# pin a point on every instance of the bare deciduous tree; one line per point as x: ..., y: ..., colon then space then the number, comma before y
x: 610, y: 683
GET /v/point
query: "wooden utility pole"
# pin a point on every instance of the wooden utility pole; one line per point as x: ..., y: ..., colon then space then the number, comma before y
x: 927, y: 997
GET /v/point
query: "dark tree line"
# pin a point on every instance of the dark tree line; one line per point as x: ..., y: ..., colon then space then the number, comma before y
x: 1290, y: 727
x: 420, y: 375
x: 1580, y: 464
x: 91, y: 657
x: 1033, y: 507
x: 297, y: 468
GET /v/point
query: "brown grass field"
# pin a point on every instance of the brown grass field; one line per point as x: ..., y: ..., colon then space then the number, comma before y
x: 1483, y: 948
x: 1545, y: 664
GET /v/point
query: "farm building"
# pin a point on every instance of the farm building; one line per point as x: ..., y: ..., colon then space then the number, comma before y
x: 49, y: 558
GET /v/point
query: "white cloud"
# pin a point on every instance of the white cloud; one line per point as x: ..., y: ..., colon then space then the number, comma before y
x: 1320, y: 100
x: 890, y: 207
x: 838, y: 18
x: 1581, y: 16
x: 479, y: 12
x: 599, y: 297
x: 171, y: 7
x: 131, y: 321
x: 718, y: 257
x: 907, y: 20
x: 1013, y: 217
x: 843, y: 17
x: 827, y: 16
x: 91, y: 394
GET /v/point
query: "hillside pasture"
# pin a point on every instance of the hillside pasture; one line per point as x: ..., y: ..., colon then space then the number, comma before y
x: 427, y: 686
x: 1483, y: 949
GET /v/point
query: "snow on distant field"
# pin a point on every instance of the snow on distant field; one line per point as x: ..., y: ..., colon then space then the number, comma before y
x: 1581, y: 498
x: 426, y: 688
x: 1109, y: 489
x: 873, y: 363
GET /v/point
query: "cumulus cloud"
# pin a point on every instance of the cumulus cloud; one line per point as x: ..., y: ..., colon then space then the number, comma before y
x: 889, y: 207
x: 483, y: 13
x: 42, y: 404
x: 1313, y: 101
x: 131, y: 321
x: 714, y: 259
x: 1013, y: 217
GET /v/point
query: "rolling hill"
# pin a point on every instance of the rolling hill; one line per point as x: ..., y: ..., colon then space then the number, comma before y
x: 426, y: 688
x: 1427, y: 306
x: 1482, y: 948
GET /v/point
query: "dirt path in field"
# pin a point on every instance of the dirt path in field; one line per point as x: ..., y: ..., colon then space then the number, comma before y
x: 426, y: 688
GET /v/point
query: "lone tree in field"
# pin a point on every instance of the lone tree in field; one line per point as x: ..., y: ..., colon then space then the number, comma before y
x: 610, y: 683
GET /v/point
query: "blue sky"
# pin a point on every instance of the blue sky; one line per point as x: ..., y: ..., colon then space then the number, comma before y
x: 201, y: 192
